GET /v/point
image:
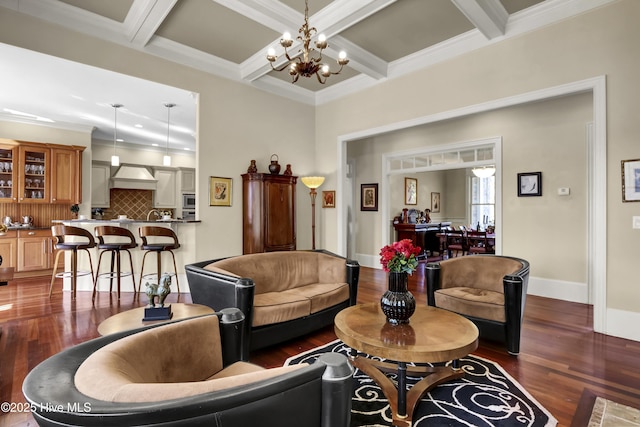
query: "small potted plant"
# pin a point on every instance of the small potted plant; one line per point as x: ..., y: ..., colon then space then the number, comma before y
x: 74, y: 210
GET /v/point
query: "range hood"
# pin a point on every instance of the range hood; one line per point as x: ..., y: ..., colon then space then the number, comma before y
x: 133, y: 177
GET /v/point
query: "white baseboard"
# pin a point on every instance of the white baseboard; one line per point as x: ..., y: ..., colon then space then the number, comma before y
x: 623, y: 324
x: 559, y: 289
x: 371, y: 261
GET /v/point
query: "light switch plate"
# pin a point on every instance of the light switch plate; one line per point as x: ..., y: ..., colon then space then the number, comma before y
x: 563, y: 191
x: 636, y: 222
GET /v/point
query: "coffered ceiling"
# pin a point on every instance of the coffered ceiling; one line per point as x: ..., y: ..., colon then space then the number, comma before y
x: 384, y: 39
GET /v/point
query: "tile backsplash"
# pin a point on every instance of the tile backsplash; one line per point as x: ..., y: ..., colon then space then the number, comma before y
x: 135, y: 204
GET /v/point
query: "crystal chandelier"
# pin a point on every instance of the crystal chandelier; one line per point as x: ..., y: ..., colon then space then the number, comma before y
x: 306, y: 65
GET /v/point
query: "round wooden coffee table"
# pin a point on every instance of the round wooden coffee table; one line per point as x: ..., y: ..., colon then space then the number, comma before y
x: 432, y: 335
x: 132, y: 319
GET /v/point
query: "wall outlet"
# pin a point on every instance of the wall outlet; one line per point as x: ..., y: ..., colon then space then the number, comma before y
x: 636, y: 222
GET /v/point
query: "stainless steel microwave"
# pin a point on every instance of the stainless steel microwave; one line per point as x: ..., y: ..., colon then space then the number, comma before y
x: 188, y: 201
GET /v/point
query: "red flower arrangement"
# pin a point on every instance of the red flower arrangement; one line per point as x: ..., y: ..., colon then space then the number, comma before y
x: 400, y: 257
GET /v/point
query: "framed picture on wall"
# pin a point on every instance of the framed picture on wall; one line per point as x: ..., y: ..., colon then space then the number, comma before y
x: 631, y: 180
x: 529, y: 184
x: 410, y: 191
x: 368, y: 197
x: 220, y: 191
x: 435, y: 202
x: 329, y: 199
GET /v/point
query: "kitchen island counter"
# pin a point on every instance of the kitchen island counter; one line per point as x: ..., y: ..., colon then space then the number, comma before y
x: 186, y: 254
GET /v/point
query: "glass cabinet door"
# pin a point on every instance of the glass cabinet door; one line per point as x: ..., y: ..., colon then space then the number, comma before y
x: 7, y: 174
x: 35, y: 175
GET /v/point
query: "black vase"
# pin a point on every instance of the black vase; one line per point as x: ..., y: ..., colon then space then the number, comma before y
x: 397, y: 303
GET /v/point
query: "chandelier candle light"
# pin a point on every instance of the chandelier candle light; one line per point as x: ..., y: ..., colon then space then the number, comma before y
x: 115, y: 160
x: 399, y: 260
x: 313, y: 182
x: 306, y: 65
x: 166, y: 160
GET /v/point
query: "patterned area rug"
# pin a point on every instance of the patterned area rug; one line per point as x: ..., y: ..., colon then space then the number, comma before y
x: 485, y: 396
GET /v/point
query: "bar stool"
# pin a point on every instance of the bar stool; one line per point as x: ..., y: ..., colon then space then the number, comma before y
x: 121, y: 239
x: 62, y: 233
x: 158, y: 246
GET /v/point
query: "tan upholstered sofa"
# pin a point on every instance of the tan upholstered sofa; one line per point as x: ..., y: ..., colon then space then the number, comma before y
x: 282, y: 294
x: 490, y: 290
x: 188, y: 372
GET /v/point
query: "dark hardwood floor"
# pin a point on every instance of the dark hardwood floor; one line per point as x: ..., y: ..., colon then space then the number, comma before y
x: 562, y: 363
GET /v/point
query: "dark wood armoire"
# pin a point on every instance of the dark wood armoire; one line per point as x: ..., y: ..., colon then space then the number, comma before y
x: 268, y: 212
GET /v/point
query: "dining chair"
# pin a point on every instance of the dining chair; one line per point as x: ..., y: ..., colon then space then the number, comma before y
x: 457, y: 242
x: 479, y: 243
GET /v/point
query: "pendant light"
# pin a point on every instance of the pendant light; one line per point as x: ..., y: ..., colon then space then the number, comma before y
x: 166, y: 160
x: 115, y: 160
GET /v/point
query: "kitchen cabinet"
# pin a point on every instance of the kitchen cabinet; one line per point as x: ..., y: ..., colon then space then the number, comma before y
x: 35, y: 250
x: 187, y: 180
x: 66, y: 176
x: 268, y: 213
x: 8, y: 248
x: 100, y: 174
x: 38, y: 173
x: 8, y: 156
x: 165, y: 195
x: 33, y: 173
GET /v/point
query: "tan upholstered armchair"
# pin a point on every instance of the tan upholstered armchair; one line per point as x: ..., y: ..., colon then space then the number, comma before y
x: 183, y: 374
x: 490, y: 290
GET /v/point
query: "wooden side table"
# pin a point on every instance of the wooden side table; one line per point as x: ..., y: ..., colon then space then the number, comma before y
x: 132, y: 319
x: 433, y: 335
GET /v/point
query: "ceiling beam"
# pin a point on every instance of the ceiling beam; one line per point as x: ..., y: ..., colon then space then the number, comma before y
x: 489, y: 16
x: 144, y: 18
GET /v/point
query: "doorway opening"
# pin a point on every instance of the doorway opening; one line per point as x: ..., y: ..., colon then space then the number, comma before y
x: 596, y: 176
x: 461, y: 155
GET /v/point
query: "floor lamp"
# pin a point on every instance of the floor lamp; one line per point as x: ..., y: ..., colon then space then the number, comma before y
x: 313, y: 182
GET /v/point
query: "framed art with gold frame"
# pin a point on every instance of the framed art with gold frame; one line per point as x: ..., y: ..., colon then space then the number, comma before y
x: 435, y: 202
x: 220, y: 191
x: 410, y: 191
x: 329, y: 199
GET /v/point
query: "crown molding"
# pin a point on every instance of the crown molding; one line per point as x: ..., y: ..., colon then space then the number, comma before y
x: 136, y: 33
x: 10, y: 118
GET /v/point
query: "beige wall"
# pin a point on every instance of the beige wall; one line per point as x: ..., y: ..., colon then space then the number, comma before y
x: 601, y: 42
x: 547, y: 137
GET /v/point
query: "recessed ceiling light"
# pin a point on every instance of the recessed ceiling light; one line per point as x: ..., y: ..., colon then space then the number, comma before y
x: 138, y: 125
x: 155, y: 145
x: 120, y: 140
x: 186, y: 149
